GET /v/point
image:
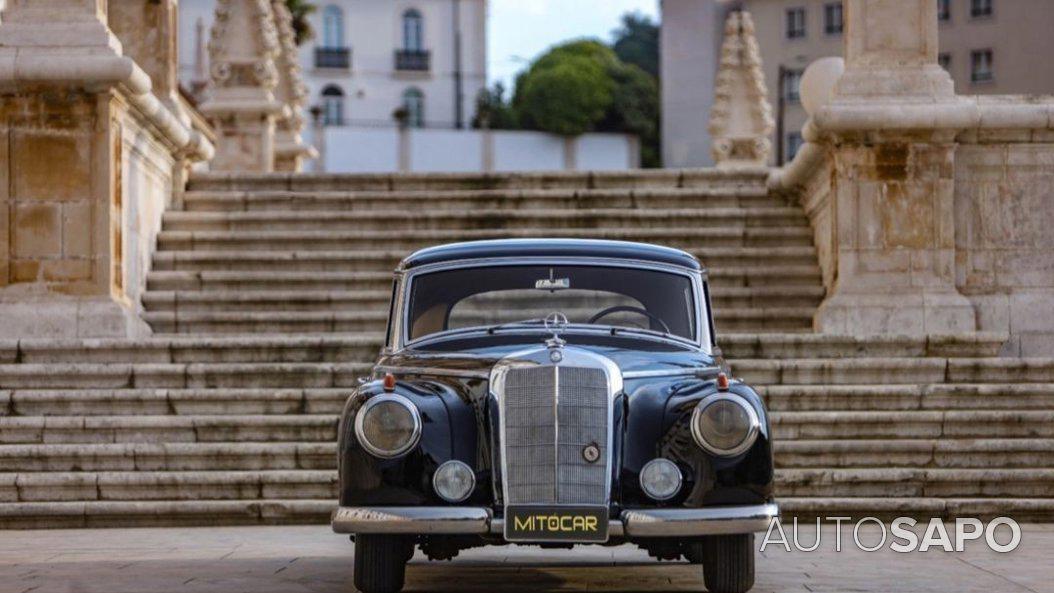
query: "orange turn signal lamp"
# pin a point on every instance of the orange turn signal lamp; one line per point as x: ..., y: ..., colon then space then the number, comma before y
x: 722, y: 382
x: 389, y: 382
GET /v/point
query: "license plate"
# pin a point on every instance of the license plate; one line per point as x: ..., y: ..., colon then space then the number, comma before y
x: 556, y: 524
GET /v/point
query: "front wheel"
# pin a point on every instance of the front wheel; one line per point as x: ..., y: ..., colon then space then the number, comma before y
x: 728, y: 563
x: 380, y: 563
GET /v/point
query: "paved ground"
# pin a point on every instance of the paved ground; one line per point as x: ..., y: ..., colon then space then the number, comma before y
x: 311, y: 559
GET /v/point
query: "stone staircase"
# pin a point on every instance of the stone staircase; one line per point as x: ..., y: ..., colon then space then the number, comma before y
x: 269, y: 298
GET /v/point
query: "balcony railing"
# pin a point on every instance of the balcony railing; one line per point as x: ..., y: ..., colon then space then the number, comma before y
x: 407, y: 60
x: 333, y: 57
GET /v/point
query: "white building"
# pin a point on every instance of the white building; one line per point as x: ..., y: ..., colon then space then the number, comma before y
x: 368, y: 58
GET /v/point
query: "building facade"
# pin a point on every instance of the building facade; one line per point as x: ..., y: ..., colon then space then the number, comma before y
x: 988, y: 47
x: 369, y: 59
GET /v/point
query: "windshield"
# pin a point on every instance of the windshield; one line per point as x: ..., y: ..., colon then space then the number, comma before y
x: 492, y: 296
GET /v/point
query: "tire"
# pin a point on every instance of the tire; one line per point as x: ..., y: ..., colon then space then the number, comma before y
x: 728, y: 563
x: 380, y: 563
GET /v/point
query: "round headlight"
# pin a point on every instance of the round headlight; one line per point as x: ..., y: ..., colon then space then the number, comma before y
x: 660, y: 479
x: 388, y: 425
x: 725, y: 424
x: 454, y: 481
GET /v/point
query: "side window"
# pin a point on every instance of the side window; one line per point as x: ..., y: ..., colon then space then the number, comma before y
x: 413, y: 31
x: 389, y: 338
x: 332, y: 27
x: 709, y: 314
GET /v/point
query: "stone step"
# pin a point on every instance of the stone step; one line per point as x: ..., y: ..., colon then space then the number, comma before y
x: 167, y: 429
x: 743, y: 179
x: 319, y: 484
x: 943, y: 452
x: 894, y: 370
x: 899, y: 482
x: 721, y: 278
x: 363, y: 347
x: 180, y: 402
x: 164, y: 513
x: 180, y: 376
x: 804, y: 398
x: 401, y: 240
x: 372, y: 261
x: 313, y: 300
x: 167, y: 485
x: 913, y: 424
x: 922, y: 508
x: 195, y: 349
x: 235, y: 321
x: 522, y: 199
x: 219, y: 456
x: 406, y: 220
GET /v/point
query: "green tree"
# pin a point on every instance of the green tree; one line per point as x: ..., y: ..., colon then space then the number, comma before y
x: 300, y: 10
x: 492, y: 111
x: 637, y: 42
x: 565, y: 94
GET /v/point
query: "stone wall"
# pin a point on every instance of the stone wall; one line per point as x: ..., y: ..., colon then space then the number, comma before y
x: 1004, y: 239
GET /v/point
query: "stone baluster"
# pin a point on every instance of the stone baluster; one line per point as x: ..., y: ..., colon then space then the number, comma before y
x: 243, y: 49
x: 889, y: 128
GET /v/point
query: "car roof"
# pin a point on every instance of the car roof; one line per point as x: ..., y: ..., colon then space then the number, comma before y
x: 593, y: 248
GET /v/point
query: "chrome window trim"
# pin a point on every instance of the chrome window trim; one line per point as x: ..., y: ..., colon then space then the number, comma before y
x: 573, y: 357
x: 415, y: 437
x: 752, y: 432
x: 401, y: 338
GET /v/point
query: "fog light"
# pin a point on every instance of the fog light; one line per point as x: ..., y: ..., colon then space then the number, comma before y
x: 660, y: 479
x: 454, y: 481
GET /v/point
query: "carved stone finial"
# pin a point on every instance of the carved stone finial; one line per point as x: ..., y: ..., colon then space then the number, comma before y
x: 290, y: 149
x: 741, y: 120
x: 243, y: 49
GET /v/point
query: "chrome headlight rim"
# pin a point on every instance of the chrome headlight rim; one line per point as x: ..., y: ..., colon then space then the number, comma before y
x: 415, y: 435
x: 752, y: 431
x: 664, y: 461
x: 454, y: 463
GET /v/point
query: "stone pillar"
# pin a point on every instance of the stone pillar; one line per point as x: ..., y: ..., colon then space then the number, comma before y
x: 290, y: 148
x: 890, y: 127
x: 75, y: 223
x: 149, y: 34
x: 243, y: 47
x: 741, y: 119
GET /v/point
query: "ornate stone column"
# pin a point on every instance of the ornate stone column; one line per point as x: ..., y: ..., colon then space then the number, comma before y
x: 741, y: 119
x: 79, y: 206
x: 290, y: 148
x: 243, y: 47
x: 890, y: 128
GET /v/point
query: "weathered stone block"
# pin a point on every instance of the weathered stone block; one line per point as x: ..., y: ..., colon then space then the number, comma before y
x: 77, y: 227
x: 37, y: 230
x: 53, y: 167
x: 66, y: 270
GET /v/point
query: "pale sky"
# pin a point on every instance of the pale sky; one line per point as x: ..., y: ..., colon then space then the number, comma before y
x: 519, y: 30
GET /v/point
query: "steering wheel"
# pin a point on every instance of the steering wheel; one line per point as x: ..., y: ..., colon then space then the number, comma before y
x: 630, y: 309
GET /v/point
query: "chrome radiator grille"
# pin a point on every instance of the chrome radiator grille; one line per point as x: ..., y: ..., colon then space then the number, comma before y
x: 551, y: 414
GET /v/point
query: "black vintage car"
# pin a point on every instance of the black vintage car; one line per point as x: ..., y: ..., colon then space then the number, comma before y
x: 553, y: 392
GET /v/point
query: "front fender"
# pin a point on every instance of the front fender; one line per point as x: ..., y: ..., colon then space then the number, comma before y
x: 448, y: 431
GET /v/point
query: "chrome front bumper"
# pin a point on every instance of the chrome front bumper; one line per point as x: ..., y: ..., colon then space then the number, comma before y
x: 478, y: 521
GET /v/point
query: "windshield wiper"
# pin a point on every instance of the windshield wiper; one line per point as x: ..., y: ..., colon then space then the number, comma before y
x: 494, y: 328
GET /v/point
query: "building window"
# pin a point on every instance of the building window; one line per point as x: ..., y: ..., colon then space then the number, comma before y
x: 944, y: 10
x: 981, y: 66
x: 980, y: 8
x: 413, y: 30
x: 332, y: 27
x: 795, y: 23
x: 945, y: 60
x: 792, y: 85
x: 414, y: 104
x: 832, y: 18
x: 332, y: 106
x: 794, y: 142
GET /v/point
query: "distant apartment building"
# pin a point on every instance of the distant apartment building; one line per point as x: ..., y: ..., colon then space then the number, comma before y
x: 369, y: 58
x: 988, y: 47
